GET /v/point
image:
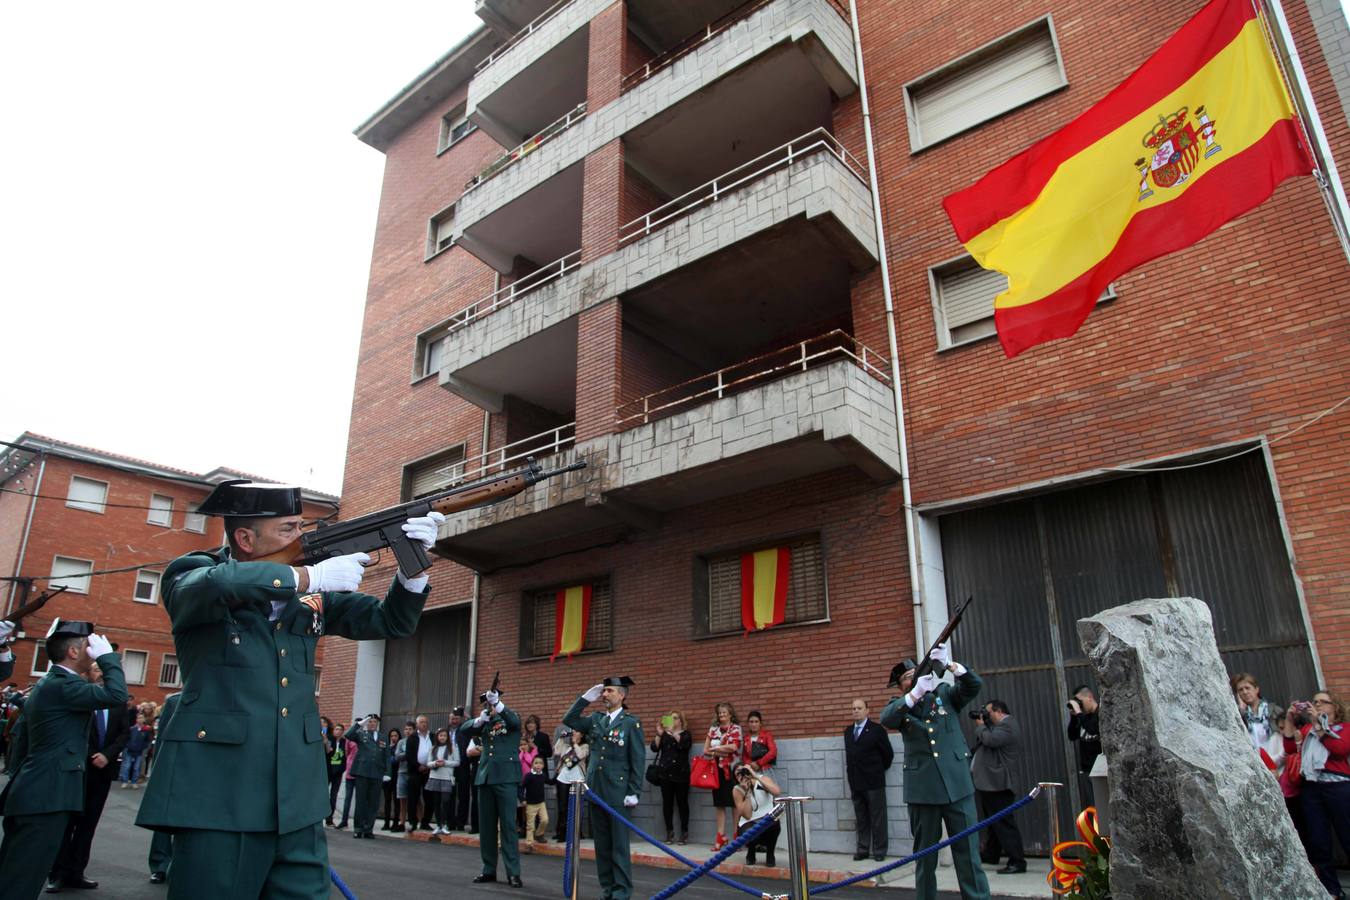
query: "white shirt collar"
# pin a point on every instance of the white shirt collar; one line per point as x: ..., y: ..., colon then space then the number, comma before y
x: 70, y: 670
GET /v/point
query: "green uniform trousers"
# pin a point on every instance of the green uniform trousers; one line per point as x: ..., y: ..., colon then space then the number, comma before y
x: 925, y: 824
x: 368, y: 791
x: 28, y: 851
x: 161, y: 852
x: 246, y: 865
x: 497, y: 811
x: 613, y: 862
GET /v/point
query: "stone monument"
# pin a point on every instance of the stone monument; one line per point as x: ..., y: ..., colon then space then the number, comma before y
x: 1194, y: 812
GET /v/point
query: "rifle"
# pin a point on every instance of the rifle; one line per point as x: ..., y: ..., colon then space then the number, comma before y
x: 375, y: 531
x: 33, y: 606
x: 927, y: 664
x: 496, y: 685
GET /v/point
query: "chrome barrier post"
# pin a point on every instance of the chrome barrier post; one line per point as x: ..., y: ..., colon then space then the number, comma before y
x: 577, y: 800
x: 795, y: 826
x: 1051, y: 788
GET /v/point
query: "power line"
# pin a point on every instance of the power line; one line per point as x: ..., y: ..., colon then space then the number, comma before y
x: 48, y: 578
x: 129, y: 505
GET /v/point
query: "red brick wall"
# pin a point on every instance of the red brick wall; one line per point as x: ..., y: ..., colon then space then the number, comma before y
x: 640, y: 196
x: 602, y: 201
x: 609, y: 57
x: 599, y: 368
x: 649, y: 366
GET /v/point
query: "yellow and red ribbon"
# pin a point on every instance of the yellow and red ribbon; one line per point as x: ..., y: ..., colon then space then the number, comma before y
x: 1066, y: 870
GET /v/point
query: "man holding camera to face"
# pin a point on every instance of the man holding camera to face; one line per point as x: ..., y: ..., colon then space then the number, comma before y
x: 1086, y: 734
x: 998, y: 744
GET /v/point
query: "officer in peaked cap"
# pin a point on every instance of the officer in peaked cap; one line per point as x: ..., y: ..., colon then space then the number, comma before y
x: 497, y: 782
x: 241, y: 779
x: 938, y: 786
x: 618, y: 759
x: 49, y: 755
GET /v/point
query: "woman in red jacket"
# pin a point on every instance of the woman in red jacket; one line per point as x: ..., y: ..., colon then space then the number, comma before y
x: 1324, y: 743
x: 759, y: 747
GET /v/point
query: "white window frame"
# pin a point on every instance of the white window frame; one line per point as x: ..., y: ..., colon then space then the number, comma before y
x: 39, y: 652
x: 944, y: 333
x: 969, y: 60
x: 154, y: 587
x: 406, y: 487
x: 178, y: 672
x: 425, y: 339
x: 150, y: 514
x: 189, y: 518
x: 318, y: 675
x: 449, y: 123
x: 145, y: 667
x: 434, y: 249
x: 72, y: 588
x: 87, y: 505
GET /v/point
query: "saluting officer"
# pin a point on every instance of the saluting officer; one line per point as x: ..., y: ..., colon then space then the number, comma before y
x: 938, y: 786
x: 498, y: 782
x: 49, y: 755
x: 618, y: 758
x: 368, y: 770
x: 241, y: 779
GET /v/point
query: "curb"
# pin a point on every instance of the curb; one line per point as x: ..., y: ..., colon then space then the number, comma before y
x: 779, y: 873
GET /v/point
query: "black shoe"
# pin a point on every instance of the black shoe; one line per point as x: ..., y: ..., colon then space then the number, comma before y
x: 387, y: 826
x: 53, y: 885
x: 769, y: 861
x: 80, y: 884
x: 860, y: 855
x: 158, y: 878
x: 341, y: 825
x: 514, y: 881
x: 750, y: 858
x: 328, y: 821
x: 484, y: 879
x: 670, y: 836
x: 684, y: 837
x: 878, y: 856
x: 1013, y: 868
x: 397, y: 829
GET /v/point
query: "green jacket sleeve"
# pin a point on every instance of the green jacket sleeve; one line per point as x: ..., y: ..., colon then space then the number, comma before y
x: 511, y: 718
x: 471, y: 727
x: 197, y: 590
x: 576, y: 718
x: 363, y: 617
x: 968, y: 687
x: 897, y: 714
x: 84, y: 695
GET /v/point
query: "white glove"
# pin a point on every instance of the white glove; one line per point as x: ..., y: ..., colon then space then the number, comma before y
x: 923, y: 686
x: 594, y: 693
x: 388, y: 778
x: 942, y: 653
x: 492, y: 698
x: 341, y: 573
x: 631, y: 800
x: 483, y: 717
x: 98, y: 645
x: 424, y: 528
x: 6, y: 629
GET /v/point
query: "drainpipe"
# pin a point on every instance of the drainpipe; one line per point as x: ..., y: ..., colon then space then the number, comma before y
x: 915, y: 586
x: 477, y: 592
x: 28, y: 526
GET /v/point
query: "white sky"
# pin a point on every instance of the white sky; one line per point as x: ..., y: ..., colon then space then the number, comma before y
x: 186, y: 221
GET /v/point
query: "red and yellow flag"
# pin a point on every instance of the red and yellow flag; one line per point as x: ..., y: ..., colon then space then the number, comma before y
x: 1202, y: 132
x: 571, y: 612
x: 764, y: 584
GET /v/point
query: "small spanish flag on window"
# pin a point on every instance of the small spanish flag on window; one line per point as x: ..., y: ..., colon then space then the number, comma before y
x: 572, y: 612
x: 764, y: 585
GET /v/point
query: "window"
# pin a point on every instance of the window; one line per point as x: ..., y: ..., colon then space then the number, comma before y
x: 147, y: 587
x: 538, y: 617
x: 168, y: 671
x: 161, y: 510
x: 434, y: 473
x: 73, y: 574
x: 134, y: 663
x: 963, y: 300
x: 431, y: 345
x: 454, y: 128
x: 194, y: 522
x: 984, y: 84
x: 87, y: 494
x: 717, y: 589
x: 441, y: 231
x: 40, y: 662
x: 318, y: 674
x: 431, y: 361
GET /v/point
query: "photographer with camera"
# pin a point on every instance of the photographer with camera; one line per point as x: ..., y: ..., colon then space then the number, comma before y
x: 1086, y: 734
x: 998, y: 744
x: 753, y: 794
x: 1323, y: 745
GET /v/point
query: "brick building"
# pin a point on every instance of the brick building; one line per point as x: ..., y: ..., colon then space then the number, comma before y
x: 673, y: 274
x: 67, y: 511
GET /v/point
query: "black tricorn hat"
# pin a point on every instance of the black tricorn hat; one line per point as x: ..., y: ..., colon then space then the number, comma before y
x: 251, y: 499
x: 69, y: 628
x: 898, y: 671
x: 457, y: 711
x: 622, y: 681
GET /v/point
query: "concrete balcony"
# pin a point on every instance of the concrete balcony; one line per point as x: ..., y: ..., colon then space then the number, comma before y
x: 509, y: 17
x: 825, y: 410
x: 806, y: 206
x: 713, y: 105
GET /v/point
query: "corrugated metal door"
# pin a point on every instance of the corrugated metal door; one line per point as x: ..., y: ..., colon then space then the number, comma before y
x: 1037, y: 566
x: 425, y: 674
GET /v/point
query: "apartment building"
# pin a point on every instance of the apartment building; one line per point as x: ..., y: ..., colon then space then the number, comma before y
x: 104, y: 526
x: 641, y: 234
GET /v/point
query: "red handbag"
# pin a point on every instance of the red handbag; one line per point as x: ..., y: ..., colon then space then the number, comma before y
x: 703, y: 773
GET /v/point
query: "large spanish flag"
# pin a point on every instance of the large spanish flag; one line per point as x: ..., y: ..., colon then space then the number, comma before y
x: 764, y: 584
x: 570, y: 615
x: 1199, y: 134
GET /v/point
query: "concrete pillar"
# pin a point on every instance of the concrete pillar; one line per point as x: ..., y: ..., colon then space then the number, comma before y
x: 368, y: 692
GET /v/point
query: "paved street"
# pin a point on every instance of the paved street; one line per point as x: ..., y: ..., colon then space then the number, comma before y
x: 393, y: 867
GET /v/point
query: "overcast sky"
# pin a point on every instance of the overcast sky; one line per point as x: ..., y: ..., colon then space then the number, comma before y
x: 186, y: 222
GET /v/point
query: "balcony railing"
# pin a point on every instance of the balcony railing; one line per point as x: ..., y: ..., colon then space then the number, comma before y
x: 545, y: 443
x: 539, y: 22
x: 509, y: 294
x: 699, y: 38
x: 798, y: 357
x: 816, y: 141
x: 510, y: 157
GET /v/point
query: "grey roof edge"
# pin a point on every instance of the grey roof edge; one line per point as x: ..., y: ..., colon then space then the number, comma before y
x: 433, y: 85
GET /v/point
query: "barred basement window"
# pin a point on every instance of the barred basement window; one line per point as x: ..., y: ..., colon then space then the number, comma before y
x: 538, y: 618
x: 168, y: 671
x: 434, y: 473
x: 807, y: 599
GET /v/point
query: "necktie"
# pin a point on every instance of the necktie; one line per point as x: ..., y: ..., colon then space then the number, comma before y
x: 100, y: 720
x: 857, y: 731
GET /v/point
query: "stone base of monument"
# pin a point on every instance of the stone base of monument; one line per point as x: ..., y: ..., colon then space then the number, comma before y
x: 1194, y: 813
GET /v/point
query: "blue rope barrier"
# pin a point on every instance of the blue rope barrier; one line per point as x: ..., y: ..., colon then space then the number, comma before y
x: 881, y: 870
x: 717, y: 876
x: 567, y: 849
x: 716, y: 859
x: 340, y: 884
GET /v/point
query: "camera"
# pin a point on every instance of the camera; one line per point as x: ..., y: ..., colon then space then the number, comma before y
x: 744, y: 772
x: 1301, y: 713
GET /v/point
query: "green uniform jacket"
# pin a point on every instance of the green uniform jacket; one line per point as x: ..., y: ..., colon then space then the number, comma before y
x: 53, y: 748
x: 618, y: 752
x: 937, y: 760
x: 372, y: 753
x: 243, y: 751
x: 165, y: 716
x: 500, y: 762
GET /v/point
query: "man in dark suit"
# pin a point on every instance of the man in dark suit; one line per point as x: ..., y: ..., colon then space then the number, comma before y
x: 998, y: 744
x: 108, y: 733
x: 867, y: 755
x: 419, y: 772
x: 466, y: 798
